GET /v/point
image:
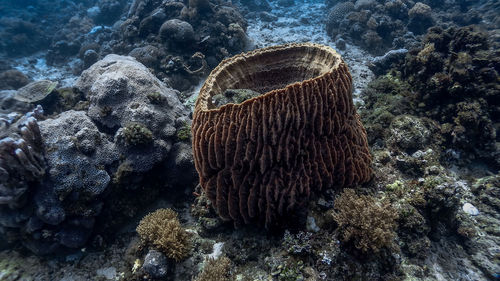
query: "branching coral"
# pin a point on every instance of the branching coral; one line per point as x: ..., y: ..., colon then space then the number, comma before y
x: 369, y: 224
x: 216, y: 270
x: 21, y: 161
x: 163, y: 230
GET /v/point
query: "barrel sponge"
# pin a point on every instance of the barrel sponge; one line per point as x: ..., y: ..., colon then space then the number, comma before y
x: 262, y: 159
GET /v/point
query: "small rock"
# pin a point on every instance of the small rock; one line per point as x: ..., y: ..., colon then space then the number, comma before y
x: 155, y: 264
x: 217, y: 250
x: 340, y: 44
x: 470, y: 209
x: 89, y: 58
x: 109, y: 273
x: 311, y: 224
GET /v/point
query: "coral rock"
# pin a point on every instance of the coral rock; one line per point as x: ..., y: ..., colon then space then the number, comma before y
x: 262, y: 159
x: 119, y: 90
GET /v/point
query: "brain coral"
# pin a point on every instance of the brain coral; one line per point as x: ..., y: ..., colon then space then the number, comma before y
x: 262, y: 159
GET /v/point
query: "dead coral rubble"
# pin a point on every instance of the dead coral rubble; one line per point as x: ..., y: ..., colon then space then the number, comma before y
x: 262, y: 159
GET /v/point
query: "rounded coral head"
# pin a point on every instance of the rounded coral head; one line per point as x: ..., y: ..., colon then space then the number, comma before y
x: 262, y: 159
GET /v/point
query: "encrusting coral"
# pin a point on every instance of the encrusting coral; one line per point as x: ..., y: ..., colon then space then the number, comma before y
x: 361, y: 220
x: 262, y: 159
x: 163, y: 230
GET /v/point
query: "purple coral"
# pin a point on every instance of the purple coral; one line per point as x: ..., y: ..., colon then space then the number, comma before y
x: 21, y: 159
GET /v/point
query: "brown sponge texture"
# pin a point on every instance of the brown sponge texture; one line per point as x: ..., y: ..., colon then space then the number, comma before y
x: 261, y: 160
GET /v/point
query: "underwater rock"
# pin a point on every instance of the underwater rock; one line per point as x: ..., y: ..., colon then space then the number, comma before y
x: 470, y: 209
x: 286, y: 3
x: 89, y: 58
x: 241, y: 175
x: 13, y: 79
x: 149, y: 55
x: 181, y: 34
x: 109, y: 11
x: 78, y: 155
x: 117, y: 88
x: 378, y: 26
x: 177, y: 32
x: 268, y: 17
x: 155, y: 264
x: 9, y: 105
x: 409, y: 132
x: 65, y: 202
x: 381, y: 64
x: 336, y: 14
x: 420, y: 18
x: 180, y: 167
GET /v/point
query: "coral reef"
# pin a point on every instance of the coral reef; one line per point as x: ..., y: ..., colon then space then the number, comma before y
x: 216, y: 270
x: 243, y: 152
x: 162, y: 230
x: 455, y: 77
x: 381, y: 25
x: 119, y: 90
x: 213, y: 29
x: 75, y: 180
x: 21, y: 37
x: 57, y: 184
x: 364, y: 222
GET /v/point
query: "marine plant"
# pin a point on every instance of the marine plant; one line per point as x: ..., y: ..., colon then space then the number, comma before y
x: 184, y: 132
x: 364, y: 221
x: 162, y: 230
x: 137, y: 134
x: 156, y: 98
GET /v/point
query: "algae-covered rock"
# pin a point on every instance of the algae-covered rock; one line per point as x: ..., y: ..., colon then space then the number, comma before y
x: 35, y: 91
x: 234, y: 96
x: 162, y: 230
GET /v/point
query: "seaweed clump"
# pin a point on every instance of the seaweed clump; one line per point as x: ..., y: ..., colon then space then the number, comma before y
x: 163, y: 230
x: 216, y: 270
x: 137, y: 134
x: 365, y: 222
